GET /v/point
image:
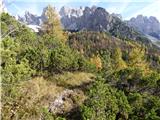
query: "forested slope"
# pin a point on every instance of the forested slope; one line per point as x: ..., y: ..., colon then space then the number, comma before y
x: 92, y: 75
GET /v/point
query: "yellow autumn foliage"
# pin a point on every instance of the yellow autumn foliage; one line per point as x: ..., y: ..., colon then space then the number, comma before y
x: 119, y: 63
x: 52, y: 25
x: 96, y: 60
x: 137, y: 59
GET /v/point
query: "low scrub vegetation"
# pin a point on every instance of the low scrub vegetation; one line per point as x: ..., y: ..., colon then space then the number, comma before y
x: 57, y: 75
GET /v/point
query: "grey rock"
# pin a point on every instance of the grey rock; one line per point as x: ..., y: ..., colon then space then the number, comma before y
x: 58, y: 104
x: 147, y: 25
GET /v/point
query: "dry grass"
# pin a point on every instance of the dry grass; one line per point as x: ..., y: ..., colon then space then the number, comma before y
x: 73, y: 79
x: 38, y: 93
x: 30, y: 99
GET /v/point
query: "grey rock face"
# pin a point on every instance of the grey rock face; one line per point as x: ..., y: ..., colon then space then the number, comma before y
x: 30, y: 19
x: 70, y: 12
x: 150, y: 26
x: 70, y: 17
x: 94, y: 18
x: 117, y: 15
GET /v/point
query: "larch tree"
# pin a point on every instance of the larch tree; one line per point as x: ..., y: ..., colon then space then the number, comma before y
x: 119, y: 63
x: 52, y: 24
x: 136, y: 59
x: 96, y: 60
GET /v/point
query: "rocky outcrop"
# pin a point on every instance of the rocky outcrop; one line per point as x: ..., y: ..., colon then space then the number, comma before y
x: 58, y: 104
x: 66, y: 101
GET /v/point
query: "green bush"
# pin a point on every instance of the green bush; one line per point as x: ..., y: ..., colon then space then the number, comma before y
x: 13, y: 69
x: 105, y: 103
x: 144, y: 107
x: 102, y: 104
x: 61, y: 58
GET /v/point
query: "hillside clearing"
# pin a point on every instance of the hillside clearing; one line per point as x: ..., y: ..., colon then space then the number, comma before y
x: 38, y: 94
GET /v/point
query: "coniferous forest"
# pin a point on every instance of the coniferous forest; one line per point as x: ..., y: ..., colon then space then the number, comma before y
x: 57, y: 74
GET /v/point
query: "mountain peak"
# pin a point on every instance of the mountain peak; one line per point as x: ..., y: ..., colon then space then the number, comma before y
x: 147, y: 25
x: 71, y: 12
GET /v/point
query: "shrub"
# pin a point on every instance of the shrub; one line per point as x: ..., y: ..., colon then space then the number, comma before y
x: 101, y: 104
x: 13, y: 69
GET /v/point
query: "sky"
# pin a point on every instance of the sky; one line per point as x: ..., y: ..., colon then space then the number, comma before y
x: 127, y: 8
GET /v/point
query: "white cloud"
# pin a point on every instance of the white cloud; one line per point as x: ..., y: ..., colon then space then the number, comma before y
x: 66, y: 1
x: 112, y: 9
x: 125, y: 4
x: 150, y: 10
x: 119, y: 8
x: 94, y: 2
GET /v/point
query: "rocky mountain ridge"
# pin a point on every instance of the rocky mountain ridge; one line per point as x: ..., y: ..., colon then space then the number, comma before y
x: 89, y: 18
x: 92, y: 19
x: 147, y: 25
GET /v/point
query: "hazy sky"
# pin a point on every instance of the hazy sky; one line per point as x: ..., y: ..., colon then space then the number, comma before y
x: 127, y: 8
